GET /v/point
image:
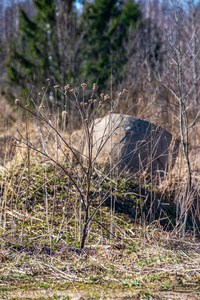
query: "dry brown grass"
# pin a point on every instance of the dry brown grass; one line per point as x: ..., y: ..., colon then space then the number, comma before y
x: 138, y: 257
x: 151, y: 261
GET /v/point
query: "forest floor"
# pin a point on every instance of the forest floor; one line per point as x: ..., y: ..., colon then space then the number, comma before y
x: 142, y: 262
x: 145, y: 269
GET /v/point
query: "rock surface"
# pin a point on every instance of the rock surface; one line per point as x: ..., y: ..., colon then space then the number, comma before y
x: 131, y: 143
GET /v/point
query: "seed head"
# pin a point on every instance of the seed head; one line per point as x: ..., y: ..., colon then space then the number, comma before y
x: 72, y: 90
x: 17, y: 101
x: 43, y: 88
x: 41, y: 106
x: 39, y: 94
x: 64, y: 114
x: 106, y: 97
x: 125, y: 91
x: 94, y: 87
x: 102, y: 95
x: 56, y: 86
x: 67, y: 87
x: 83, y: 85
x: 48, y: 79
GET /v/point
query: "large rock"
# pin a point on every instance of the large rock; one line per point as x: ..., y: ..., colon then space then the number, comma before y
x: 131, y: 143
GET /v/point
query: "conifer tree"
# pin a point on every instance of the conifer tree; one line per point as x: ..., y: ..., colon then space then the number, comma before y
x: 107, y: 25
x: 37, y: 53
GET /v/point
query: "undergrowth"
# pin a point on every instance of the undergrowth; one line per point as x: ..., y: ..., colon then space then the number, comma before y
x: 133, y: 236
x: 136, y: 254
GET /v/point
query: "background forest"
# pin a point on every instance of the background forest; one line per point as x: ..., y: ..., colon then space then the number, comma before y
x: 137, y: 45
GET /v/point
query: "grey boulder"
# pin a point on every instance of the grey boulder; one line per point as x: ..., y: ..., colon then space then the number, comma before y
x: 131, y: 144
